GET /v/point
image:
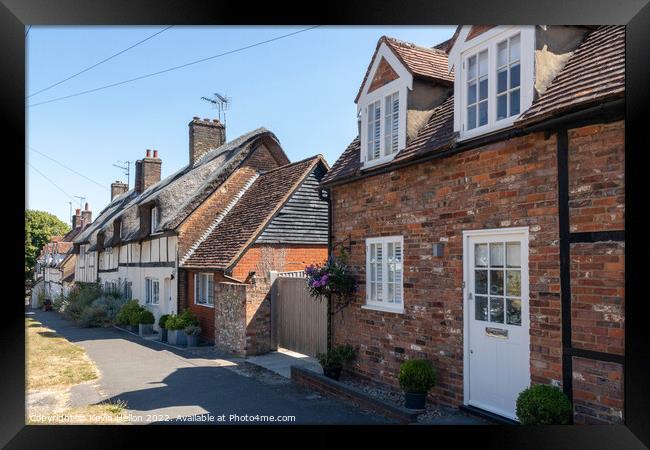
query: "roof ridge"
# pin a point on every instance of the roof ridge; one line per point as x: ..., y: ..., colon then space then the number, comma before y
x: 411, y: 44
x: 275, y: 169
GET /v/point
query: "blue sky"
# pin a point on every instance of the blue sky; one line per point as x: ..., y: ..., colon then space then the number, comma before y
x: 302, y: 88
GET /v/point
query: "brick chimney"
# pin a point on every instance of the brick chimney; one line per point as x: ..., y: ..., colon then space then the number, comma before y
x: 147, y: 171
x: 205, y: 135
x: 76, y: 219
x: 86, y: 216
x: 118, y: 188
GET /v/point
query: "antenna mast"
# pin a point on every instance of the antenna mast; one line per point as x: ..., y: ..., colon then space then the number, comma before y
x: 126, y: 169
x: 222, y: 103
x: 81, y: 200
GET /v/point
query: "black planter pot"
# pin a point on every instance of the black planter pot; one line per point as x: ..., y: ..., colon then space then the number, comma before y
x: 163, y: 334
x: 415, y: 400
x: 332, y: 372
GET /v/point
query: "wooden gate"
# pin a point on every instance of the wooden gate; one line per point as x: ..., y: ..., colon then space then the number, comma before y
x: 298, y: 321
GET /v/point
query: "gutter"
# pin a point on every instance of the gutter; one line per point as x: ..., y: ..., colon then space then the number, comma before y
x: 610, y: 110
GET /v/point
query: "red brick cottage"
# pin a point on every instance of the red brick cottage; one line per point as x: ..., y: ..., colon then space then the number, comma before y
x: 265, y: 220
x: 483, y: 203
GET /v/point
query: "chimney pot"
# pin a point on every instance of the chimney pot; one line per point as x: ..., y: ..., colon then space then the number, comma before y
x: 155, y: 153
x: 86, y: 206
x: 148, y: 153
x: 78, y: 211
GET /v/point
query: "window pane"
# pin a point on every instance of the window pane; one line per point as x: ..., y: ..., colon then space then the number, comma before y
x: 496, y: 282
x: 496, y: 309
x: 471, y: 68
x: 502, y: 106
x: 513, y: 254
x: 480, y: 308
x: 514, y: 76
x: 513, y: 283
x: 482, y: 63
x: 471, y: 93
x: 502, y: 80
x: 480, y: 255
x: 513, y: 312
x: 502, y: 53
x: 483, y: 89
x: 514, y: 48
x: 482, y: 113
x: 514, y: 102
x: 471, y: 117
x: 480, y: 281
x: 496, y: 254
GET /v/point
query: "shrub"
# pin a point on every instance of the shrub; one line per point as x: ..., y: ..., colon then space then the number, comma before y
x: 543, y: 405
x: 162, y: 320
x: 93, y: 316
x: 146, y: 317
x: 337, y: 356
x: 80, y: 297
x: 417, y: 376
x: 192, y: 330
x: 129, y: 314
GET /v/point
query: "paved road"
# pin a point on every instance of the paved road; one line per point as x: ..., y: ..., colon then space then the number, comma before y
x: 157, y: 381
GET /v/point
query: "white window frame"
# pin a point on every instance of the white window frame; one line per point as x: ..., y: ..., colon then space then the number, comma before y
x: 488, y: 41
x: 200, y: 297
x: 153, y: 220
x: 399, y: 86
x: 150, y: 299
x: 384, y: 305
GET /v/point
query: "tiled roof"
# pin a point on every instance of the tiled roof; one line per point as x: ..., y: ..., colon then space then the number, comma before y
x: 249, y: 215
x: 422, y: 62
x: 436, y: 135
x: 595, y: 72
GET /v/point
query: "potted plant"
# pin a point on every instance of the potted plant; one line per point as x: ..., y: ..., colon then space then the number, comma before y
x: 161, y: 323
x: 333, y: 360
x: 192, y: 333
x: 174, y: 326
x: 145, y: 322
x: 331, y: 279
x: 416, y: 378
x: 129, y: 315
x: 543, y: 405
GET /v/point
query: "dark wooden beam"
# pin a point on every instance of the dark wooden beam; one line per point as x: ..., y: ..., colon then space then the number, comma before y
x: 598, y: 236
x: 594, y: 355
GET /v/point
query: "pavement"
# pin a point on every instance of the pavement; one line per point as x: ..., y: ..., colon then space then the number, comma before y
x: 162, y: 384
x: 280, y: 362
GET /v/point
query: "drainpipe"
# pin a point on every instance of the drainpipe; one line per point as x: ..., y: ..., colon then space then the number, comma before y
x: 330, y: 236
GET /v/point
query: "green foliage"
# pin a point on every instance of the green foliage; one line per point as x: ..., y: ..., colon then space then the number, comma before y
x: 162, y: 320
x: 543, y: 405
x: 417, y: 376
x: 146, y: 317
x: 129, y: 314
x: 181, y: 321
x: 40, y: 226
x: 79, y: 298
x: 331, y: 278
x: 192, y: 330
x: 337, y: 356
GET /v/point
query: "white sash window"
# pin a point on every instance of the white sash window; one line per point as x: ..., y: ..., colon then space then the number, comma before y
x: 384, y: 269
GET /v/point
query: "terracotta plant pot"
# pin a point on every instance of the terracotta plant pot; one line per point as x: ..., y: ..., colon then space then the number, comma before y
x: 415, y: 400
x: 332, y: 372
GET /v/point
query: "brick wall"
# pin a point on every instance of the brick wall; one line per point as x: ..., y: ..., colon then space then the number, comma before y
x: 263, y: 258
x: 204, y: 313
x: 597, y: 177
x: 597, y: 392
x: 506, y: 184
x: 258, y: 316
x: 383, y: 75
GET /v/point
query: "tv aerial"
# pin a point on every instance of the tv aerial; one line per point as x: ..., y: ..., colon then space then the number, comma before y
x: 221, y: 102
x: 126, y: 169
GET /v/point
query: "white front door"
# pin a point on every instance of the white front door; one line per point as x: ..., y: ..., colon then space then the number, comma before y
x: 497, y: 341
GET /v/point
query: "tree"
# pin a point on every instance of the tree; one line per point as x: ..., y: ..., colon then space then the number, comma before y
x: 40, y: 226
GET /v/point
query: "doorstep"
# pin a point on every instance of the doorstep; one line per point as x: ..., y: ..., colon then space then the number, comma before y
x: 321, y: 383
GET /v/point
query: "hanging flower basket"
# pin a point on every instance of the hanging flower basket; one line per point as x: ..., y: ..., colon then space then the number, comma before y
x: 332, y: 278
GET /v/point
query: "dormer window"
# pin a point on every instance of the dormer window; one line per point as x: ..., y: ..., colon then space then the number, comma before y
x: 154, y: 220
x: 495, y: 83
x: 383, y: 138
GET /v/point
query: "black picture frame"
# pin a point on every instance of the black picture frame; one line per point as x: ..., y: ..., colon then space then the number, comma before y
x: 16, y: 15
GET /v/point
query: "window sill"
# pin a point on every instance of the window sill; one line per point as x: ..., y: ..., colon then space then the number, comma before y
x: 379, y: 161
x: 383, y: 309
x: 205, y: 305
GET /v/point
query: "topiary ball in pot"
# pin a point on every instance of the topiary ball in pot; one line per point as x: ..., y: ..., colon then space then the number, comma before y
x: 416, y: 378
x: 162, y: 321
x: 543, y: 405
